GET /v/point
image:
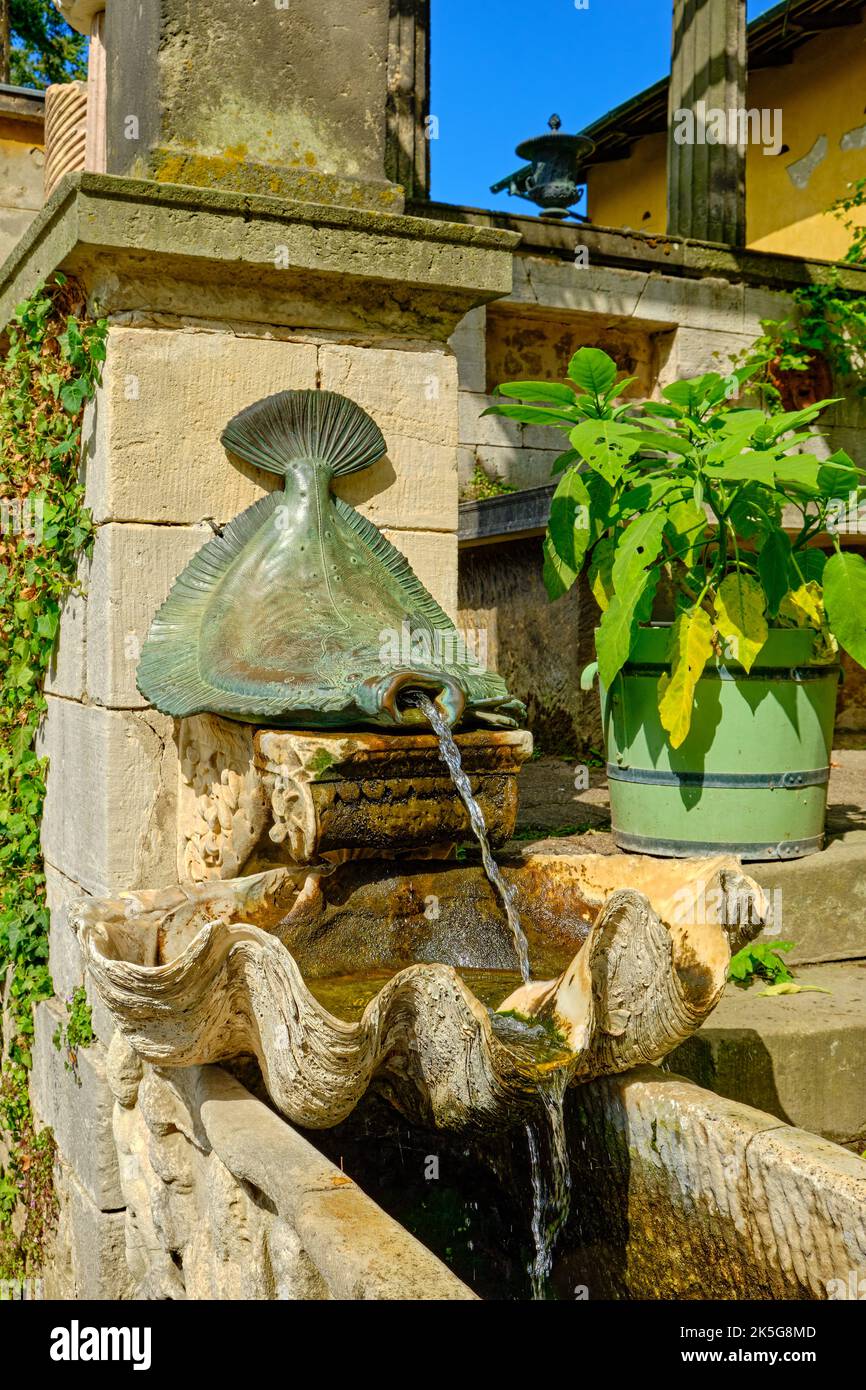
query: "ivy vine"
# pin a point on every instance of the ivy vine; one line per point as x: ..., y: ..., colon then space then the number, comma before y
x: 50, y: 361
x: 828, y: 321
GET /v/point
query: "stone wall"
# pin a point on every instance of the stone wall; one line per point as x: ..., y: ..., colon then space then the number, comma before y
x: 22, y: 159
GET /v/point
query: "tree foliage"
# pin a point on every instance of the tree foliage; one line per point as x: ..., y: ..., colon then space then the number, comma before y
x: 42, y: 47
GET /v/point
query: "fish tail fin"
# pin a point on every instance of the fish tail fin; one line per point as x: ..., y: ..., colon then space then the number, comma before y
x: 292, y: 425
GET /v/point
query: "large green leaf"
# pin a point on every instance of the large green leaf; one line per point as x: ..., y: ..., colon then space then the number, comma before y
x: 606, y: 445
x: 749, y: 467
x: 568, y: 531
x: 692, y: 395
x: 616, y: 633
x: 537, y: 391
x: 773, y: 566
x: 600, y: 573
x: 593, y: 370
x: 633, y: 587
x: 690, y: 648
x: 636, y: 549
x: 845, y: 602
x: 741, y: 619
x: 533, y: 414
x: 688, y: 522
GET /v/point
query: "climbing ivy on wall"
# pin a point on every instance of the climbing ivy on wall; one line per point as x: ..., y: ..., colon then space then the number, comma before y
x: 827, y: 320
x: 50, y: 361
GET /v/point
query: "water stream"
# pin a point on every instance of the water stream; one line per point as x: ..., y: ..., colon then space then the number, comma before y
x: 550, y: 1169
x: 550, y: 1175
x: 450, y: 755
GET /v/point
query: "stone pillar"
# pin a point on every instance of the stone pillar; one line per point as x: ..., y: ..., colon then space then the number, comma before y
x: 707, y: 181
x: 407, y: 156
x: 285, y: 98
x: 223, y: 278
x: 95, y: 153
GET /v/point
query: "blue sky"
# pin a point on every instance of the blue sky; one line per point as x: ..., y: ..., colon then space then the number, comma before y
x: 500, y: 67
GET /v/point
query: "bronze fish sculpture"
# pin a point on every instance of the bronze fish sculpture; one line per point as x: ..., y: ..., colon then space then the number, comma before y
x: 301, y: 614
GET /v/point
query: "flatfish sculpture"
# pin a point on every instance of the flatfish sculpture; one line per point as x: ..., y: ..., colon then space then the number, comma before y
x: 301, y: 614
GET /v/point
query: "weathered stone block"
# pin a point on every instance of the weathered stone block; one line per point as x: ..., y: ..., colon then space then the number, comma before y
x: 699, y: 350
x: 77, y: 1105
x: 67, y: 674
x: 165, y: 397
x: 433, y: 557
x: 109, y: 819
x: 88, y: 1260
x: 412, y: 396
x: 476, y: 428
x: 468, y: 343
x: 132, y: 570
x: 714, y: 305
x: 466, y: 460
x: 64, y: 957
x: 568, y: 285
x: 519, y: 468
x: 65, y: 961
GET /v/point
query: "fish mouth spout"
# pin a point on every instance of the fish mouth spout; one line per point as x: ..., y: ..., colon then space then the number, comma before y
x: 391, y: 699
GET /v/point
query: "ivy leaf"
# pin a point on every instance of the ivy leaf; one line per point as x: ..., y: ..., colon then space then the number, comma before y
x: 845, y: 602
x: 690, y: 649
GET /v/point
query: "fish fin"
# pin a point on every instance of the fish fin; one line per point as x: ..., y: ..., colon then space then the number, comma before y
x: 168, y: 673
x: 418, y: 600
x: 275, y: 432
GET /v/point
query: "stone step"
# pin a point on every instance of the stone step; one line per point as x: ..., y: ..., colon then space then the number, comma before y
x: 798, y: 1056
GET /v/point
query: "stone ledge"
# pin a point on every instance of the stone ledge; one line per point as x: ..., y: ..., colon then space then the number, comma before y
x: 136, y: 242
x: 361, y: 1252
x: 615, y: 246
x: 714, y: 1199
x: 799, y: 1057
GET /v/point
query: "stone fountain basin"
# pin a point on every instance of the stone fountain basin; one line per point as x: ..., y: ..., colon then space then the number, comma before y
x: 629, y: 956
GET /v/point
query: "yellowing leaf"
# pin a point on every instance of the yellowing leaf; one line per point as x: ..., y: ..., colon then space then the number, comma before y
x: 691, y: 646
x: 741, y: 618
x: 804, y: 606
x: 790, y: 988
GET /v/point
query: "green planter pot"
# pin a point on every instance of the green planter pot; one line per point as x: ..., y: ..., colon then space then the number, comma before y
x: 750, y: 778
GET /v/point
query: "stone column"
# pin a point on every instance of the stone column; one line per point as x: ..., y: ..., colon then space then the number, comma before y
x: 407, y: 156
x: 707, y: 181
x: 285, y: 98
x: 223, y: 278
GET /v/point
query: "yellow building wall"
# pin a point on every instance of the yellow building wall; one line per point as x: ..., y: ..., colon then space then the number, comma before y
x: 822, y: 93
x: 21, y: 170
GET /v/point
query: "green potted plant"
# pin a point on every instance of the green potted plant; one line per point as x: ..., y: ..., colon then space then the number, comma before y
x: 718, y: 722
